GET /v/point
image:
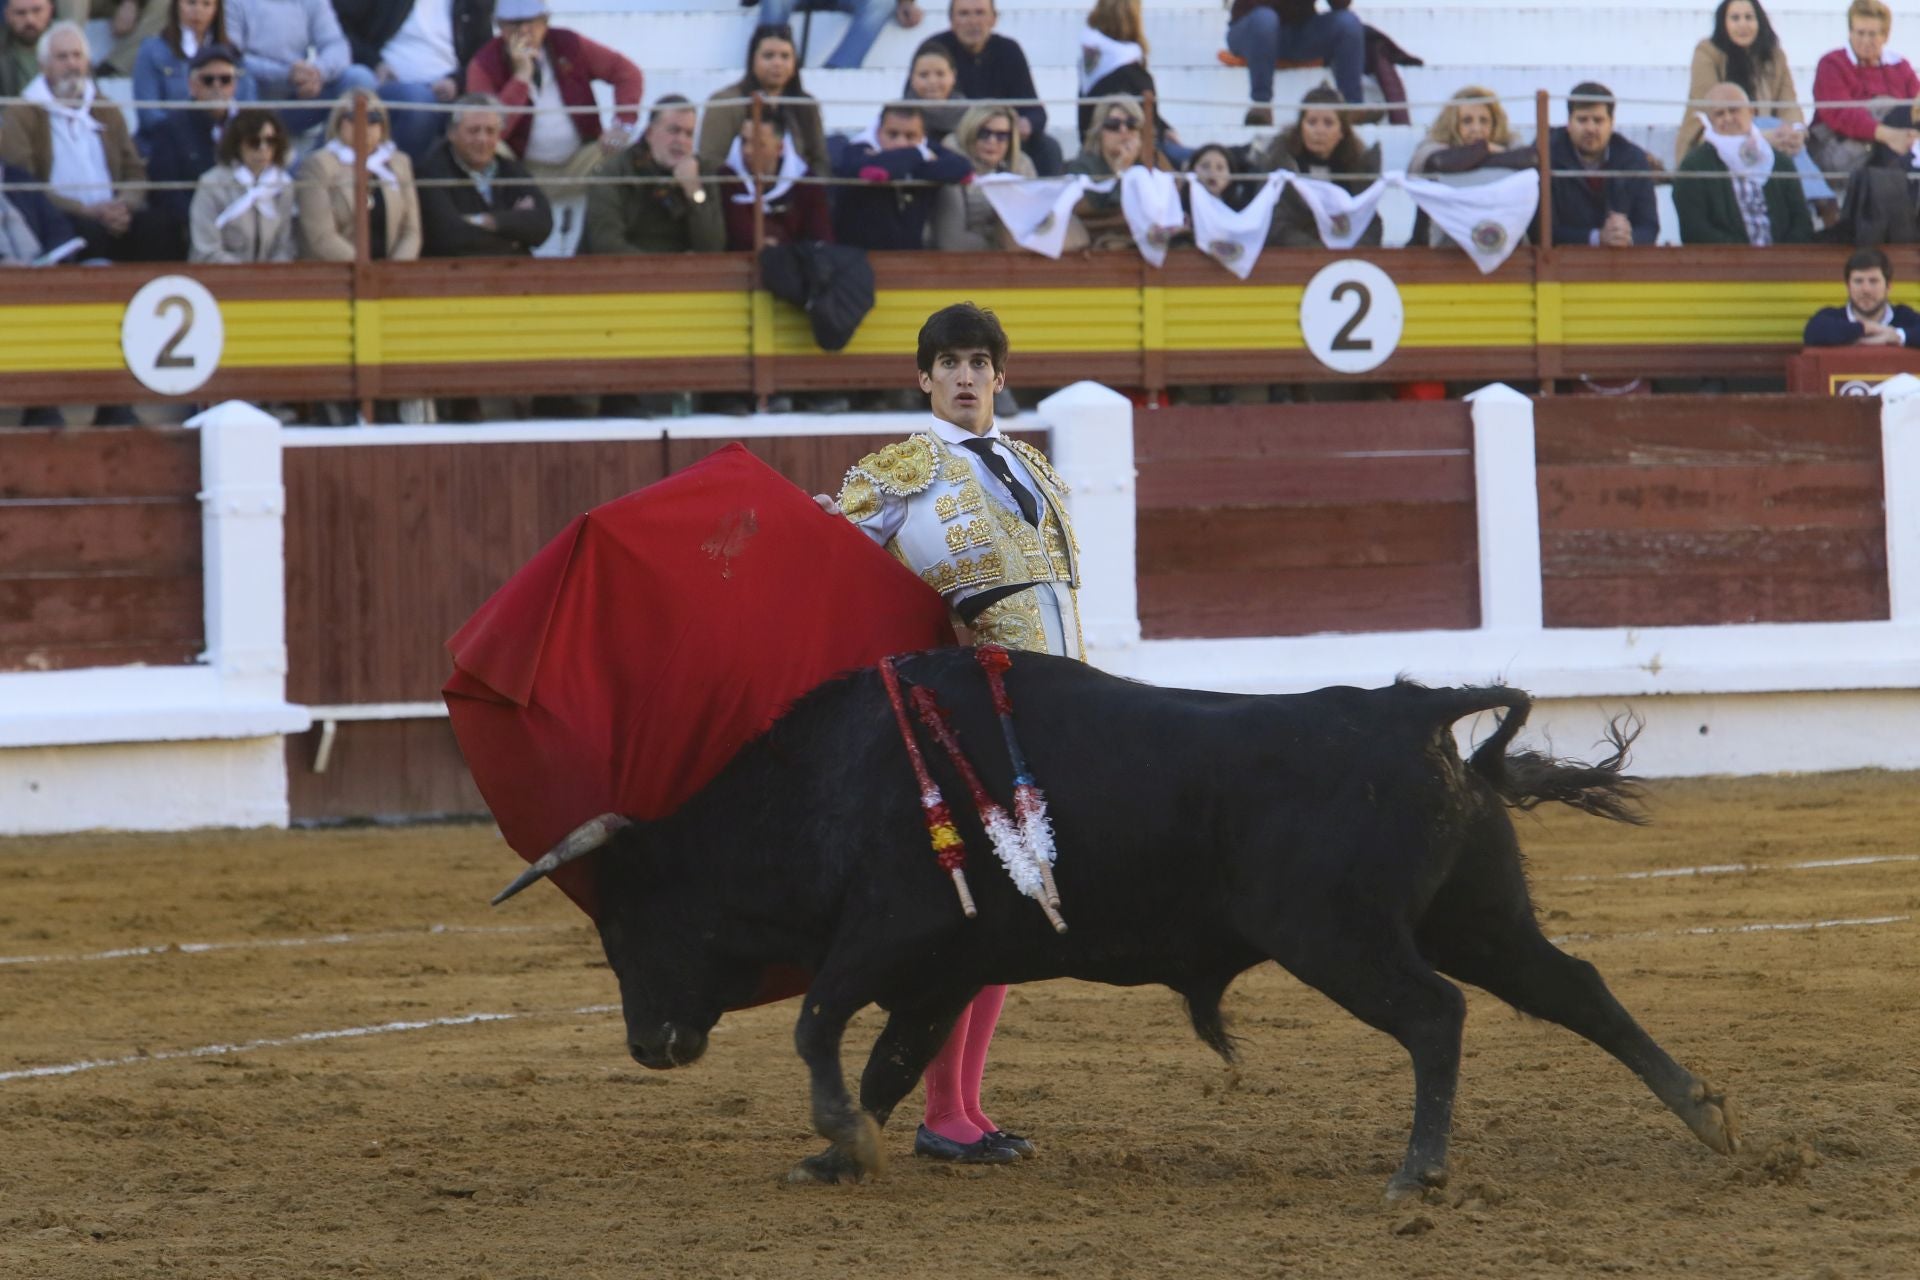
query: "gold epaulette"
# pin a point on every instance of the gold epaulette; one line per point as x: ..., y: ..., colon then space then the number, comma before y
x: 900, y: 469
x: 1038, y: 461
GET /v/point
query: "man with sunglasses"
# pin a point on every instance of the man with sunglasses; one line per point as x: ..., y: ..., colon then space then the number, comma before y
x: 186, y: 141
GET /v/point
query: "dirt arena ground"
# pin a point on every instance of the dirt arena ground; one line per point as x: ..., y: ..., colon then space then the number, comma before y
x: 530, y: 1145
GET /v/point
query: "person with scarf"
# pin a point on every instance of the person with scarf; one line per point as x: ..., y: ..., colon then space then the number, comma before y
x: 765, y: 158
x: 933, y: 81
x: 1470, y: 144
x: 495, y: 210
x: 1111, y: 147
x: 1590, y: 209
x: 186, y: 142
x: 64, y: 134
x: 993, y: 68
x: 1321, y: 144
x: 243, y: 207
x: 773, y: 71
x: 1880, y: 81
x: 1263, y: 32
x: 1744, y: 50
x: 882, y: 214
x: 1113, y: 63
x: 1755, y: 197
x: 963, y: 220
x: 419, y: 51
x: 325, y: 222
x: 163, y: 69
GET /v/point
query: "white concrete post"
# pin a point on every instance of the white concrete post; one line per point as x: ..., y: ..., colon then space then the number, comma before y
x: 242, y: 502
x: 1900, y: 461
x: 1091, y: 445
x: 1507, y: 503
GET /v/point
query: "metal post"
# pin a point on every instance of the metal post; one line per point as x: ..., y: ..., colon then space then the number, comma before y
x: 1543, y: 144
x: 762, y: 368
x: 1148, y: 142
x: 362, y: 226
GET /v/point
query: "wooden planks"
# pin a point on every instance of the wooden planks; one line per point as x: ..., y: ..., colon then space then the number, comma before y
x: 1294, y: 519
x: 1681, y: 510
x: 381, y: 768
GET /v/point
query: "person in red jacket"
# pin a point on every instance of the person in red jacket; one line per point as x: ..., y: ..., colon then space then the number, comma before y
x: 1865, y: 71
x: 763, y: 156
x: 551, y: 69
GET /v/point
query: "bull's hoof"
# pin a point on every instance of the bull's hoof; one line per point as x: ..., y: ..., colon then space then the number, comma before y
x: 830, y: 1166
x: 858, y: 1137
x: 1710, y: 1113
x: 1410, y: 1183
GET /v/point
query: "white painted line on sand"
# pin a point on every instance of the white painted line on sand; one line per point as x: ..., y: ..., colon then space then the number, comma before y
x: 280, y: 1042
x: 1792, y: 926
x: 1737, y: 868
x: 257, y: 944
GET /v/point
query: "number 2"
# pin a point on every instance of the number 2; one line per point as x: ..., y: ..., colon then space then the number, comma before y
x: 168, y: 359
x: 1344, y: 340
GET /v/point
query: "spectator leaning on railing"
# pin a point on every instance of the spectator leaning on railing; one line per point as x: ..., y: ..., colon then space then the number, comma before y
x: 325, y: 191
x: 494, y: 210
x: 989, y: 137
x: 1864, y: 70
x: 532, y: 63
x: 26, y: 22
x: 1591, y: 208
x: 162, y: 71
x: 64, y: 134
x: 882, y: 215
x: 419, y: 50
x: 276, y: 36
x: 1321, y: 144
x: 1470, y: 143
x: 1754, y: 196
x: 1868, y: 319
x: 773, y: 70
x: 681, y: 216
x: 1111, y: 147
x: 186, y: 143
x: 765, y: 158
x: 1265, y: 31
x: 243, y: 208
x: 992, y: 66
x: 869, y: 20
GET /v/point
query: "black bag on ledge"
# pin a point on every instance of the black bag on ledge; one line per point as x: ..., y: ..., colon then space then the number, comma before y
x: 832, y: 283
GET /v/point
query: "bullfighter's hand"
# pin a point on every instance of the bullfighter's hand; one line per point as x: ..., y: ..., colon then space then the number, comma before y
x: 826, y: 504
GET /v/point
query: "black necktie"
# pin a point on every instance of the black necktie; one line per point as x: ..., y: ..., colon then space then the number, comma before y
x: 1029, y: 506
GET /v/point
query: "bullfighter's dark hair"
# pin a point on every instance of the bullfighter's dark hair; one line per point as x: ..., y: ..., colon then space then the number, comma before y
x: 1589, y: 93
x: 1866, y: 260
x: 962, y: 327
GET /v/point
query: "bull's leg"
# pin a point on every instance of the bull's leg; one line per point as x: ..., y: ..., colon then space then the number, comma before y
x: 855, y: 1153
x: 901, y: 1053
x: 1515, y: 962
x: 1366, y: 963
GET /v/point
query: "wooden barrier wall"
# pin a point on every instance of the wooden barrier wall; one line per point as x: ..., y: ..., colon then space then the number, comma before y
x: 99, y: 549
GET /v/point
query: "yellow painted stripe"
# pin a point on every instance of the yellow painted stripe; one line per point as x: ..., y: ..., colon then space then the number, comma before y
x: 603, y: 326
x: 85, y: 337
x: 1669, y: 313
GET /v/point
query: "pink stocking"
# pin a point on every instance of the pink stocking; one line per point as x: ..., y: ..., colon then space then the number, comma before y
x: 947, y: 1097
x: 983, y: 1014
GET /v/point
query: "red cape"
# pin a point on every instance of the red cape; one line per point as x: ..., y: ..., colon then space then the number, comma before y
x: 624, y: 665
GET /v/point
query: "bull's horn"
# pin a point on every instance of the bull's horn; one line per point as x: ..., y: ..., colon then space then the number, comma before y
x: 579, y: 842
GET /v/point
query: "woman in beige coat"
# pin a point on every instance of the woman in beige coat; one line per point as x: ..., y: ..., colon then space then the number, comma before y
x: 243, y: 209
x: 1743, y: 50
x: 962, y: 219
x: 325, y: 226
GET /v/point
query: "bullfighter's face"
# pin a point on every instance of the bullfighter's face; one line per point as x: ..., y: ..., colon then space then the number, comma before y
x: 962, y: 385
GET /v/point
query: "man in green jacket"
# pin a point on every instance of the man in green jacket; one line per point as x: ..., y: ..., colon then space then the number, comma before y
x: 658, y: 216
x: 1733, y: 188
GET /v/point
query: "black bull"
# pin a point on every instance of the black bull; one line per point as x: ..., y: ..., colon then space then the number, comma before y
x: 1336, y: 832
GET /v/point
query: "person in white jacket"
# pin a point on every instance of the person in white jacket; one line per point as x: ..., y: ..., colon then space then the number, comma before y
x: 243, y: 208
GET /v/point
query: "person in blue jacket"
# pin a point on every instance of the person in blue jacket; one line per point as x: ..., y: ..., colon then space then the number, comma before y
x: 885, y: 216
x: 1868, y: 319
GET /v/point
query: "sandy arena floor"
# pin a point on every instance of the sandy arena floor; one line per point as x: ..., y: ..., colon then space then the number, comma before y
x: 530, y: 1145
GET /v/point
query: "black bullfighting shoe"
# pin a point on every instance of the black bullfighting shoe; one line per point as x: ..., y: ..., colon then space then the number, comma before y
x: 1009, y: 1142
x: 982, y: 1151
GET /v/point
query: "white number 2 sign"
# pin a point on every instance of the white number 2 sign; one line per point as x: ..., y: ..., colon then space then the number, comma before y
x: 171, y: 335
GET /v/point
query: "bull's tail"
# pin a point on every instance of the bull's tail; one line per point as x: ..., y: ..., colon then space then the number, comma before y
x: 1525, y: 779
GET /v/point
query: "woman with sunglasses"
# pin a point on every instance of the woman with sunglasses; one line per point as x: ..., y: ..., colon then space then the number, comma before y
x: 773, y: 69
x: 325, y: 195
x: 1112, y: 146
x: 243, y: 208
x: 161, y: 70
x: 989, y: 136
x: 1113, y: 63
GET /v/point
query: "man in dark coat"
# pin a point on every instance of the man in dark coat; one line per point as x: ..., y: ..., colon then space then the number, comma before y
x: 1759, y: 204
x: 681, y: 216
x: 1868, y: 319
x: 419, y: 50
x: 993, y: 67
x: 185, y: 143
x: 495, y: 211
x: 886, y: 216
x: 1614, y: 212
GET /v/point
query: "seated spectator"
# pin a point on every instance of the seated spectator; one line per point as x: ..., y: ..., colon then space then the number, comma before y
x: 994, y: 67
x: 1470, y: 143
x: 1264, y: 32
x: 656, y: 217
x: 1868, y: 319
x: 552, y: 70
x: 33, y: 232
x: 933, y: 82
x: 1864, y: 72
x: 324, y: 199
x: 276, y: 36
x: 65, y: 135
x: 1755, y: 199
x: 882, y: 215
x: 764, y: 158
x: 1321, y: 144
x: 1592, y: 210
x: 1211, y: 166
x: 869, y: 20
x: 1110, y: 149
x: 1744, y: 50
x: 773, y: 70
x: 496, y: 211
x: 419, y: 51
x: 162, y: 71
x: 26, y: 22
x: 989, y: 137
x: 243, y: 209
x: 1113, y: 63
x: 186, y: 143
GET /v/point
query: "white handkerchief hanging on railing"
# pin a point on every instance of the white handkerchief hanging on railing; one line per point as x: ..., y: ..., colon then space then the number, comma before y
x: 1234, y: 238
x: 1341, y: 216
x: 1150, y: 198
x: 1037, y: 211
x: 1749, y: 155
x: 1488, y: 221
